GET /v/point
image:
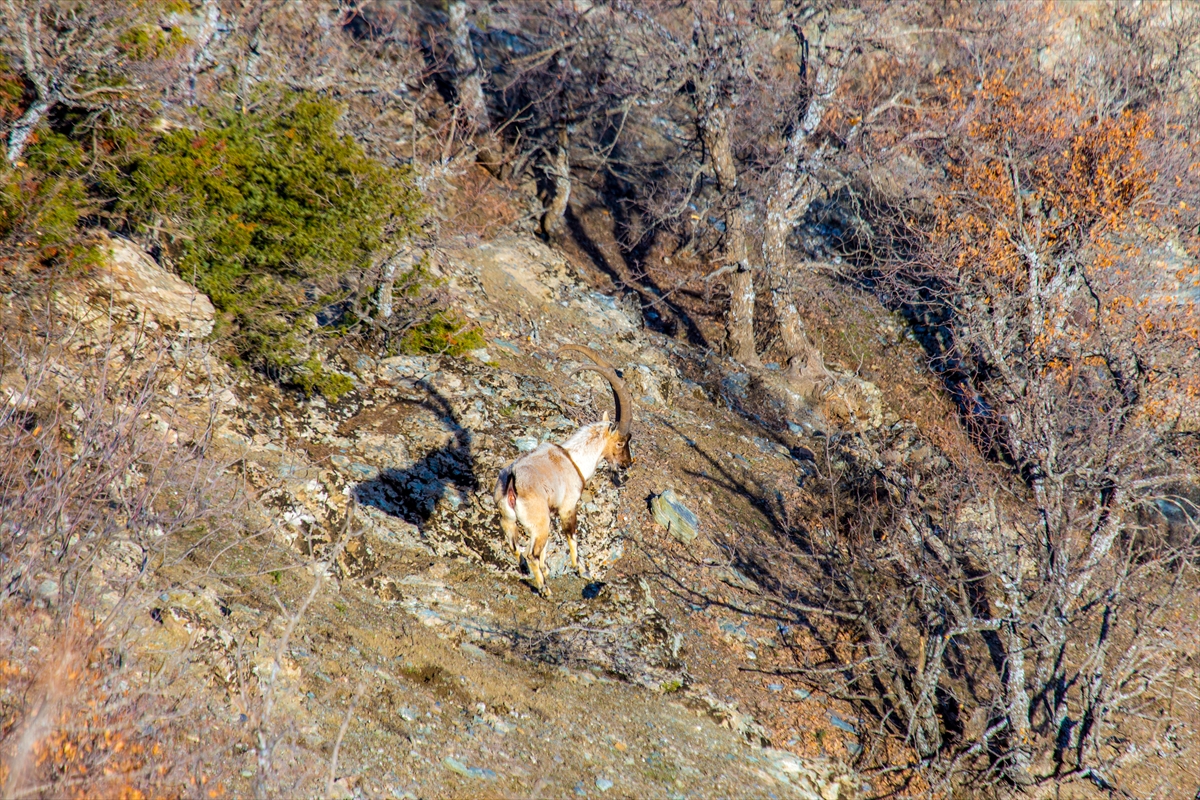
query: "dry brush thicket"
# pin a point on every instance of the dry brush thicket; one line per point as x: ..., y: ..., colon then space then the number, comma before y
x: 1021, y: 182
x: 1018, y: 179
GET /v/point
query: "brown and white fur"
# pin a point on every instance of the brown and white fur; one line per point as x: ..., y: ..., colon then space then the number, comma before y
x: 550, y: 479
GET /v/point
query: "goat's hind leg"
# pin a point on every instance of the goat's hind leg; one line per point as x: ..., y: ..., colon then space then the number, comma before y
x: 511, y: 531
x: 537, y: 522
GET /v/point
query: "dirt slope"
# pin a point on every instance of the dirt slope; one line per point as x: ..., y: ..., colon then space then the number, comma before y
x: 368, y: 627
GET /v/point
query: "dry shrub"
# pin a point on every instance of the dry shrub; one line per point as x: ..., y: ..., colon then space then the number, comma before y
x: 479, y: 205
x: 92, y: 498
x: 1014, y: 622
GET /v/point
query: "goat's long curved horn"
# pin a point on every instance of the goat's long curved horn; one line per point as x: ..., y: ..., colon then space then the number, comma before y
x: 587, y: 351
x: 621, y: 397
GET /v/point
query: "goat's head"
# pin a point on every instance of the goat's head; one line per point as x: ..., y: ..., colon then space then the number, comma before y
x: 616, y: 445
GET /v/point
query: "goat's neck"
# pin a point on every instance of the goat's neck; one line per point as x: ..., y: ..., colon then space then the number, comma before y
x: 586, y: 447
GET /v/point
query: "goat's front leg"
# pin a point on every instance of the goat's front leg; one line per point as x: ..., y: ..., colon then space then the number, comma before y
x: 570, y: 523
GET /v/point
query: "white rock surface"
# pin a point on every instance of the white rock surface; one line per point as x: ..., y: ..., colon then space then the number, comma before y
x: 130, y: 286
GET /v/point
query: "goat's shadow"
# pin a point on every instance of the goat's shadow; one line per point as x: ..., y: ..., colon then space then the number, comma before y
x: 412, y: 493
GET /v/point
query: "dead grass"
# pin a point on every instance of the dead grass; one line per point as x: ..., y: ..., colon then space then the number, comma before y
x: 93, y: 494
x: 479, y: 205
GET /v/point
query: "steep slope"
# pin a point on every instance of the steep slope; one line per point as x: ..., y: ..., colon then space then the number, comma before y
x: 361, y: 622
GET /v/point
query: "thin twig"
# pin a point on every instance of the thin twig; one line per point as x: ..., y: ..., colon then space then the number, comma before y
x: 337, y: 745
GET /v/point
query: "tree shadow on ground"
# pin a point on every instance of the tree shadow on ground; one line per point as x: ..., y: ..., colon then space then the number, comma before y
x: 780, y: 573
x: 412, y: 493
x: 649, y: 294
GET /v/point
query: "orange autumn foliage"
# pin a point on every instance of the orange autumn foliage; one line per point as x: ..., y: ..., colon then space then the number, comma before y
x: 1050, y: 218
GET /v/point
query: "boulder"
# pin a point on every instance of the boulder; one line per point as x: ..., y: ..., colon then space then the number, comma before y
x: 130, y: 285
x: 670, y: 512
x: 853, y: 403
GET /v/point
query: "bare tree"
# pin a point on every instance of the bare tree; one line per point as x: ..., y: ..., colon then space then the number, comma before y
x: 1017, y: 619
x: 743, y: 154
x: 468, y: 77
x: 95, y: 57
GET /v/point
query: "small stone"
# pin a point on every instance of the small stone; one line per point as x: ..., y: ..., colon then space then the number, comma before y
x: 775, y: 687
x: 603, y: 784
x: 670, y: 512
x: 783, y: 761
x: 481, y: 355
x: 736, y: 578
x: 842, y: 724
x: 454, y: 765
x: 339, y: 461
x: 364, y: 471
x: 474, y: 651
x: 47, y: 591
x: 525, y: 443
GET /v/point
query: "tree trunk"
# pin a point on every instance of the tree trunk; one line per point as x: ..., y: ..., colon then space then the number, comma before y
x: 792, y: 195
x: 23, y: 128
x: 467, y: 78
x: 45, y: 87
x: 384, y: 298
x: 202, y: 44
x: 560, y: 172
x: 806, y: 366
x: 739, y: 321
x: 386, y: 285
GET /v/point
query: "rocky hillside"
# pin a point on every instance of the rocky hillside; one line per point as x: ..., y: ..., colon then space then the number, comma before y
x: 904, y: 296
x: 373, y: 588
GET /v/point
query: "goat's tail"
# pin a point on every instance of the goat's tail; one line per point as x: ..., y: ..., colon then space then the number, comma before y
x: 510, y: 489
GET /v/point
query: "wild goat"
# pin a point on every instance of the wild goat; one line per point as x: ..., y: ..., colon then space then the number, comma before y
x: 549, y: 479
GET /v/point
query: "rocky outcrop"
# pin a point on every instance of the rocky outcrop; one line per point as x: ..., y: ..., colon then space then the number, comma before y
x: 129, y: 287
x: 390, y: 485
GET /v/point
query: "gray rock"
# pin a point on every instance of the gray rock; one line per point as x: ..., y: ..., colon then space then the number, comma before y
x: 603, y: 784
x: 481, y: 355
x: 842, y: 724
x: 47, y: 592
x: 364, y: 471
x: 736, y: 385
x: 474, y: 651
x: 734, y: 577
x: 130, y: 279
x: 670, y: 512
x: 454, y: 765
x: 525, y: 443
x: 810, y: 779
